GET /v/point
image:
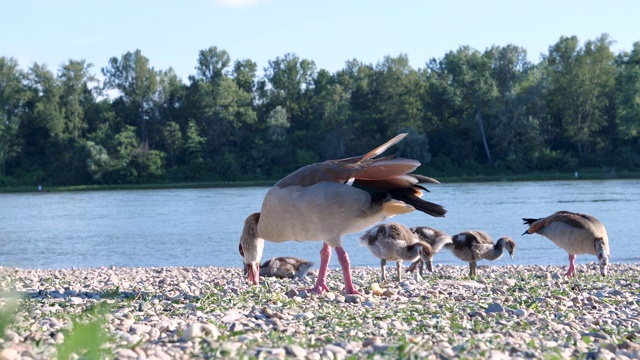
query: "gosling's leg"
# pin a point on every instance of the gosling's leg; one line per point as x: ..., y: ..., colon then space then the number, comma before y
x: 472, y: 268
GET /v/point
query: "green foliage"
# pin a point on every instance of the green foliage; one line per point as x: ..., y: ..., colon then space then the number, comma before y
x: 87, y: 336
x: 98, y: 161
x: 469, y: 113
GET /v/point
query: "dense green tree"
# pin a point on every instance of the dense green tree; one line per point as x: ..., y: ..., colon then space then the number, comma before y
x: 466, y: 74
x: 44, y: 151
x: 235, y: 110
x: 12, y: 94
x: 396, y: 90
x: 194, y: 144
x: 467, y: 113
x: 137, y: 84
x: 628, y: 95
x: 174, y: 142
x: 212, y: 64
x: 289, y: 77
x: 74, y: 78
x: 627, y: 154
x: 581, y: 82
x: 331, y: 111
x: 244, y: 74
x: 514, y: 134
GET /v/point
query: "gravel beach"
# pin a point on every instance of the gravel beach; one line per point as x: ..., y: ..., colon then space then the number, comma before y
x: 185, y: 313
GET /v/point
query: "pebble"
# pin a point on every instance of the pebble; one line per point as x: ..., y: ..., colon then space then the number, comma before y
x: 494, y: 308
x: 178, y: 313
x: 520, y: 313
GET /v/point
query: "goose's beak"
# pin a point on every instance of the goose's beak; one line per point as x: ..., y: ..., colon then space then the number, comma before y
x: 253, y: 273
x: 430, y: 266
x: 604, y: 269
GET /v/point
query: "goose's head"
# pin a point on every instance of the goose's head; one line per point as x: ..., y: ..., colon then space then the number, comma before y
x: 508, y: 244
x: 425, y: 252
x: 602, y: 252
x: 251, y: 248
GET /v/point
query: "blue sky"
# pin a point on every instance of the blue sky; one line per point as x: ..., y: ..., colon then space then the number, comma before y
x: 329, y: 32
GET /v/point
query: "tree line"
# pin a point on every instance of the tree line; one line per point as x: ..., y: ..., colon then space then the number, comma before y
x: 467, y: 113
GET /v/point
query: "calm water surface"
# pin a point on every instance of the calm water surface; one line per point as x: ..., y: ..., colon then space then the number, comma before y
x: 201, y: 227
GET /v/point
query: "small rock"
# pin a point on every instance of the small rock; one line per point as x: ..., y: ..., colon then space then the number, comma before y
x: 329, y: 296
x: 352, y: 299
x: 295, y: 351
x: 291, y: 293
x: 616, y: 292
x: 75, y: 300
x: 376, y: 289
x: 304, y: 315
x: 337, y: 351
x: 271, y: 353
x: 9, y: 354
x: 139, y: 329
x: 520, y: 313
x: 124, y: 353
x: 596, y: 335
x: 372, y: 341
x: 231, y: 316
x: 495, y: 308
x: 58, y: 337
x: 498, y: 355
x: 197, y: 330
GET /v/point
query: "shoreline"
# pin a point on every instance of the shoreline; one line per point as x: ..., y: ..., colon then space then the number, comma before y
x: 508, y: 311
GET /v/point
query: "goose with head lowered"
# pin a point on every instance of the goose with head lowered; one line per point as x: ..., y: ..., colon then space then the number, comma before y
x: 285, y: 267
x: 395, y: 242
x: 325, y: 201
x: 576, y: 233
x: 475, y: 245
x: 432, y: 236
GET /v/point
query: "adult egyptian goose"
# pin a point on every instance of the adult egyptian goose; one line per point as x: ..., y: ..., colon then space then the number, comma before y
x: 474, y: 245
x: 395, y: 242
x: 324, y: 201
x: 432, y: 236
x: 575, y: 233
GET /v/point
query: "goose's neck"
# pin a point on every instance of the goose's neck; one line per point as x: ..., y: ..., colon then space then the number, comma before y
x: 440, y: 242
x: 495, y: 252
x: 412, y: 251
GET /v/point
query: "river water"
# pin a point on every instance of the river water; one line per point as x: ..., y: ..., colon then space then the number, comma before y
x: 201, y: 227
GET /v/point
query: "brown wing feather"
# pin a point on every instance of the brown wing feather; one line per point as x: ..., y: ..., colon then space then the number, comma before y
x: 576, y: 220
x: 385, y: 169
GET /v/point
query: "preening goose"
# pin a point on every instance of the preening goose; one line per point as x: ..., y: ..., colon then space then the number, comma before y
x: 575, y: 233
x: 285, y: 267
x: 474, y: 245
x: 432, y: 236
x: 395, y: 242
x: 324, y: 201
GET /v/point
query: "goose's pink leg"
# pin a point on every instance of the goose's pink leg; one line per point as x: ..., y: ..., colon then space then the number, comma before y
x: 346, y: 271
x: 572, y: 267
x: 321, y: 284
